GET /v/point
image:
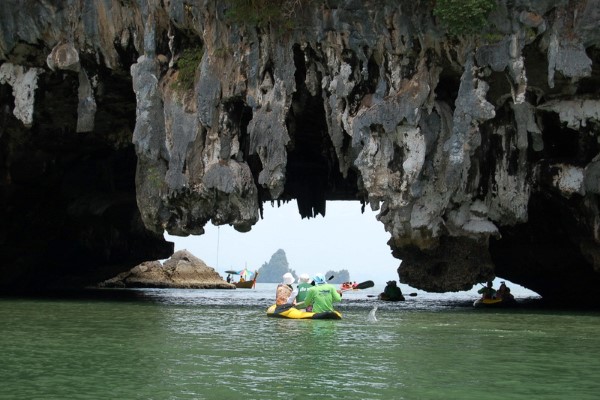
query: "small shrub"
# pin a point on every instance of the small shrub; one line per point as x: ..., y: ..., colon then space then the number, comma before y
x: 223, y: 52
x: 276, y: 14
x: 463, y: 17
x: 186, y: 65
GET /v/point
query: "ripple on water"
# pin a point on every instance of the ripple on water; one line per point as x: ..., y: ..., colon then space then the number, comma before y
x: 184, y: 344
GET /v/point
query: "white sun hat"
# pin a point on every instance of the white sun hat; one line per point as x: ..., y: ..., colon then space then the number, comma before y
x: 288, y: 278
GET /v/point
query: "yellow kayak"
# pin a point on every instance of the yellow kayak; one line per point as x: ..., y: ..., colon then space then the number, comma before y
x: 294, y: 313
x: 494, y: 303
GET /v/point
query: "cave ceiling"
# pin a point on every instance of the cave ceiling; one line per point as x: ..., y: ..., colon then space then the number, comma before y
x: 122, y: 120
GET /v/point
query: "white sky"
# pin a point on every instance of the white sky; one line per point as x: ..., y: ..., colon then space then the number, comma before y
x: 344, y: 239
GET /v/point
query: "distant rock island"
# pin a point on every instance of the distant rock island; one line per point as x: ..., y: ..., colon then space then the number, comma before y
x: 272, y: 271
x: 182, y: 271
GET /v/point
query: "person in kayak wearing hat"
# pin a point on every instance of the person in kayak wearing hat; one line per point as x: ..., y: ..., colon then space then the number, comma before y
x: 321, y: 296
x: 299, y: 293
x: 487, y: 292
x: 284, y: 290
x: 391, y: 292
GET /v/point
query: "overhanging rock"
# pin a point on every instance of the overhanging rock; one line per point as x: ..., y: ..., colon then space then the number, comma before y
x: 462, y: 143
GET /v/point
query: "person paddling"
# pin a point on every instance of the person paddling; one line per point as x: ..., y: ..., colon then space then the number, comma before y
x: 283, y: 291
x: 391, y: 292
x: 503, y: 293
x: 299, y: 293
x: 487, y: 292
x: 321, y: 296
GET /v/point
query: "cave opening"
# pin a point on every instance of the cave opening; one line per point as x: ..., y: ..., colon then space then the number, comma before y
x: 590, y: 85
x: 348, y: 237
x: 75, y: 190
x: 499, y: 84
x: 127, y: 51
x: 545, y: 252
x: 240, y: 115
x: 447, y: 88
x: 562, y: 144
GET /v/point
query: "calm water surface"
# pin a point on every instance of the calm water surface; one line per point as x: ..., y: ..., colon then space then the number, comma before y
x: 219, y: 344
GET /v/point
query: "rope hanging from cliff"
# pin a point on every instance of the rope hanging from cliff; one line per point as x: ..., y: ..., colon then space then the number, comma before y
x: 218, y: 234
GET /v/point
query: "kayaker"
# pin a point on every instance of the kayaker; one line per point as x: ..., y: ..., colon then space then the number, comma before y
x: 503, y: 292
x: 321, y: 296
x: 391, y: 292
x: 299, y: 293
x: 487, y: 292
x: 284, y: 289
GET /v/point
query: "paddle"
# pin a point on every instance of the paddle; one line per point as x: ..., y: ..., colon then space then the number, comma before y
x: 409, y: 294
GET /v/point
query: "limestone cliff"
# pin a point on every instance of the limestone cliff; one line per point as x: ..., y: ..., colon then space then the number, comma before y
x: 479, y: 151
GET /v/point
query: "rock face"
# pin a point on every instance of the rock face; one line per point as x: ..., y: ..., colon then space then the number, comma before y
x: 183, y: 271
x: 480, y: 152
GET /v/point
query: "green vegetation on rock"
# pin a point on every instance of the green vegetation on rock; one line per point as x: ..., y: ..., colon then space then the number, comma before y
x: 463, y: 17
x: 276, y: 14
x: 187, y: 64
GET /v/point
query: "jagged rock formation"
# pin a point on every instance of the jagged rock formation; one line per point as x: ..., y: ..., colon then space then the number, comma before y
x: 340, y: 276
x: 481, y: 153
x: 182, y: 271
x: 273, y: 270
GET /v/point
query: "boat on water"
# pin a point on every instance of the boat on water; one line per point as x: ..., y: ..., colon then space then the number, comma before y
x: 391, y: 292
x: 495, y: 303
x: 245, y: 284
x: 349, y: 286
x: 294, y: 313
x: 495, y: 298
x: 247, y: 278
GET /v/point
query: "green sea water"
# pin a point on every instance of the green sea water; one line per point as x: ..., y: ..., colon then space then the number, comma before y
x: 187, y: 344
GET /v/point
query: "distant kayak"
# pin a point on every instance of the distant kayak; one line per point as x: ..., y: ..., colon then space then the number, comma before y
x: 493, y: 303
x: 349, y: 286
x: 294, y: 313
